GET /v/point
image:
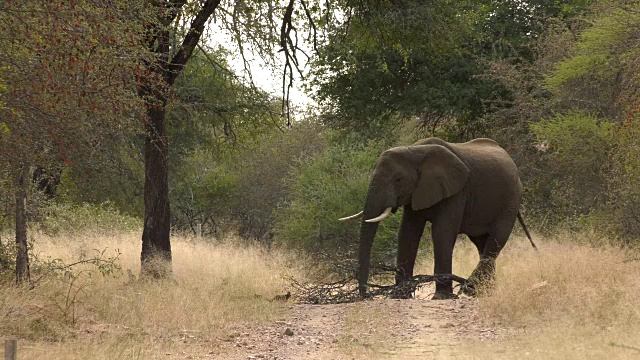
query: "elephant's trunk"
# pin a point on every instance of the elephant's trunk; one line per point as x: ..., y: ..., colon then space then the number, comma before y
x: 374, y: 206
x: 367, y: 234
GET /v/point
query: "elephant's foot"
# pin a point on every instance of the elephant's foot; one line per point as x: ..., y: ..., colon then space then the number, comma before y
x: 444, y: 296
x: 470, y: 289
x: 475, y: 287
x: 481, y: 279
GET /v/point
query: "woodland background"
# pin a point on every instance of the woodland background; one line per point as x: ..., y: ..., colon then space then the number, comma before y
x: 123, y: 121
x: 554, y: 82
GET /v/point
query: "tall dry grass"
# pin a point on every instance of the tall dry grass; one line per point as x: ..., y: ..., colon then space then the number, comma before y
x: 215, y: 288
x: 573, y: 300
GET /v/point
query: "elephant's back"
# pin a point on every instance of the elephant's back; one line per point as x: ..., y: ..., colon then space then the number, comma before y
x: 480, y: 148
x: 483, y: 156
x: 485, y: 153
x: 494, y: 181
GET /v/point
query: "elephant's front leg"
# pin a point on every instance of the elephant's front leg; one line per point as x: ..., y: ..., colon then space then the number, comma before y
x: 411, y: 229
x: 444, y: 238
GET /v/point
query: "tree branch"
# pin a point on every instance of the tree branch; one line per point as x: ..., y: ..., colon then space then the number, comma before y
x: 285, y: 39
x: 173, y: 8
x: 190, y: 40
x: 312, y: 24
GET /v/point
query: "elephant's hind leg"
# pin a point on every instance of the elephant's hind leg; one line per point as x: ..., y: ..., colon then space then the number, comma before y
x: 482, y: 277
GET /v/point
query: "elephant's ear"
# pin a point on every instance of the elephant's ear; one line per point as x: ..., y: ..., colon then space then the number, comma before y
x: 441, y: 175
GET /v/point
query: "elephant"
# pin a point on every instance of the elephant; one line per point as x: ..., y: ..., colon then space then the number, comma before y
x: 470, y: 188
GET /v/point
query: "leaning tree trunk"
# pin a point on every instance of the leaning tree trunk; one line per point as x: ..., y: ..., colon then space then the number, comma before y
x: 156, y: 245
x: 22, y: 255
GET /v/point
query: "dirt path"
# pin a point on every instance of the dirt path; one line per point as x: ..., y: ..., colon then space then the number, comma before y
x: 379, y: 329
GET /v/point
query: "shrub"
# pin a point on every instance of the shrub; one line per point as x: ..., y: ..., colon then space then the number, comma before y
x: 572, y: 175
x: 201, y: 194
x: 262, y: 171
x: 72, y: 218
x: 333, y: 185
x: 625, y: 180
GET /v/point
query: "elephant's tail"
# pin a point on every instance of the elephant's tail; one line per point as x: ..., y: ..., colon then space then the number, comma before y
x: 526, y: 231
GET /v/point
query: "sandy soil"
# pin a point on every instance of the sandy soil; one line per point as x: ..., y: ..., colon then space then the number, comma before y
x: 378, y: 329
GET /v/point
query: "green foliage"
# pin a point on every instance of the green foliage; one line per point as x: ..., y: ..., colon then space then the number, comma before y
x: 216, y: 109
x: 215, y: 124
x: 595, y: 52
x: 263, y: 175
x: 71, y: 218
x: 568, y: 135
x: 331, y: 186
x: 202, y: 190
x: 573, y: 176
x: 117, y: 178
x: 3, y: 126
x: 376, y: 71
x: 624, y: 216
x: 240, y: 191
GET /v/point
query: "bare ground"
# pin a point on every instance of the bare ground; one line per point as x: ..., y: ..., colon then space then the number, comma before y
x: 378, y: 329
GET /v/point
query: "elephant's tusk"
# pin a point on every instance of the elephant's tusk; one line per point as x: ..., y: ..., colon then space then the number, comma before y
x: 352, y: 217
x: 382, y: 216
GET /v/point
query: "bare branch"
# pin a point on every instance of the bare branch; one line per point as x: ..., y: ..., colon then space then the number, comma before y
x: 312, y: 24
x: 625, y: 346
x: 285, y: 40
x: 213, y: 61
x: 345, y: 290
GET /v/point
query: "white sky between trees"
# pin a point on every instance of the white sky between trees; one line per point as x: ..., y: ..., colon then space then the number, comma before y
x: 265, y: 77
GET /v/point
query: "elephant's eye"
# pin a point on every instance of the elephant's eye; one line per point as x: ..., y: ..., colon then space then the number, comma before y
x: 397, y: 180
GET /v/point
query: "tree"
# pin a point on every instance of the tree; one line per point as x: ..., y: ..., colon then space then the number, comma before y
x: 249, y: 23
x: 67, y: 68
x: 376, y: 70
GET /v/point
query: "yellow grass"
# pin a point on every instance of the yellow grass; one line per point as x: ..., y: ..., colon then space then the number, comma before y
x: 214, y: 288
x: 572, y: 300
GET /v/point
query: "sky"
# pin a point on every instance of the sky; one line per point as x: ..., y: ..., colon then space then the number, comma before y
x: 262, y: 75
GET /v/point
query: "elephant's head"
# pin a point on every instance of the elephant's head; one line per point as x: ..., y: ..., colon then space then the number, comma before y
x: 420, y: 175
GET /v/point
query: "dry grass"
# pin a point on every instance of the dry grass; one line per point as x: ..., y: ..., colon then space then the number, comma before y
x: 573, y: 300
x: 213, y: 290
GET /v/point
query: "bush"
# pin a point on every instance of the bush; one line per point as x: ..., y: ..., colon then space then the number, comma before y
x: 262, y: 171
x: 331, y: 186
x: 625, y: 180
x: 72, y: 218
x: 201, y: 193
x: 572, y: 175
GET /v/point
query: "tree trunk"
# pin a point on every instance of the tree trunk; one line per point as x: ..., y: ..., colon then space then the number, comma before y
x: 4, y: 263
x: 22, y: 255
x: 156, y: 245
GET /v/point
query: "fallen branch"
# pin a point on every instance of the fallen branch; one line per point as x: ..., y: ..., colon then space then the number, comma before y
x: 338, y: 292
x: 346, y: 290
x: 410, y: 286
x: 624, y: 346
